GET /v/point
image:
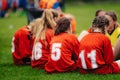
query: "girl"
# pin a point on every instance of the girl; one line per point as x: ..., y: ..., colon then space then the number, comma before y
x: 64, y: 48
x: 21, y: 45
x: 42, y: 34
x: 96, y: 55
x: 113, y: 31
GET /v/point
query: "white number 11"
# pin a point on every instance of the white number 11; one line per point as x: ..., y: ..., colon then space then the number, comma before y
x: 92, y: 56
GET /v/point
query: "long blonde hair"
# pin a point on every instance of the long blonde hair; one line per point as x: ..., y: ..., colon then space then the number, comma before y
x: 40, y: 25
x: 33, y: 26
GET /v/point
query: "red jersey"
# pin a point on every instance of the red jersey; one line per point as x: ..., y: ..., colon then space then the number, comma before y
x: 96, y: 55
x: 64, y: 50
x: 41, y: 50
x: 21, y: 46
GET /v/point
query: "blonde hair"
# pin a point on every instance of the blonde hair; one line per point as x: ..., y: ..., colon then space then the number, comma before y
x: 33, y: 26
x: 39, y: 26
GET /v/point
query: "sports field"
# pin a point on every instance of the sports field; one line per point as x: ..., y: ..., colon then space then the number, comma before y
x: 84, y: 14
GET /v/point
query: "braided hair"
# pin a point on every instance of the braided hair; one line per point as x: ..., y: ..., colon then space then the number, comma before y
x: 100, y: 22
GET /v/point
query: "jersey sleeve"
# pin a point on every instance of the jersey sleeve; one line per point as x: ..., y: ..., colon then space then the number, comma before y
x: 108, y: 52
x: 15, y: 48
x: 15, y: 42
x: 75, y: 47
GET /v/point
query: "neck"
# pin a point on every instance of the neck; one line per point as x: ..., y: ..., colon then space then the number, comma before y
x: 97, y: 30
x: 68, y: 31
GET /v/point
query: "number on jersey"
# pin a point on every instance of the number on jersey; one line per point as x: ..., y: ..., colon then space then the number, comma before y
x: 13, y: 45
x: 37, y: 51
x: 56, y: 51
x: 91, y: 56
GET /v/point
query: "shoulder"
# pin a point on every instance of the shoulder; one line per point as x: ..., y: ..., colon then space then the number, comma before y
x: 21, y: 30
x: 24, y: 28
x: 104, y: 37
x: 49, y: 31
x: 99, y: 36
x: 117, y: 31
x: 71, y: 37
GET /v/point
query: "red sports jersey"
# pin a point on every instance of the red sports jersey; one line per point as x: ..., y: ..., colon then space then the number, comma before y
x: 64, y: 50
x: 21, y: 46
x: 96, y: 55
x: 41, y: 50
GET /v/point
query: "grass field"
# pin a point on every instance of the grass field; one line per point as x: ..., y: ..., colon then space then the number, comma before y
x: 84, y: 14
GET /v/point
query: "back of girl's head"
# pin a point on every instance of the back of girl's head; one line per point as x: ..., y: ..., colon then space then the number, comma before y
x: 63, y: 24
x: 97, y: 13
x: 100, y: 22
x: 112, y: 14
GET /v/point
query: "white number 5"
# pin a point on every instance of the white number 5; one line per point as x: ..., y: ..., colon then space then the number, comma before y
x: 56, y: 52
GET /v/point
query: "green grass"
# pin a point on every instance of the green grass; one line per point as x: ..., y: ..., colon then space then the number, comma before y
x: 84, y: 14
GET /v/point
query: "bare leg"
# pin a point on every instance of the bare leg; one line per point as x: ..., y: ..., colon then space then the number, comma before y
x: 117, y: 50
x: 118, y: 62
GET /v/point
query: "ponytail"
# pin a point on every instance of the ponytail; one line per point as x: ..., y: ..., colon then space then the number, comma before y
x: 40, y: 25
